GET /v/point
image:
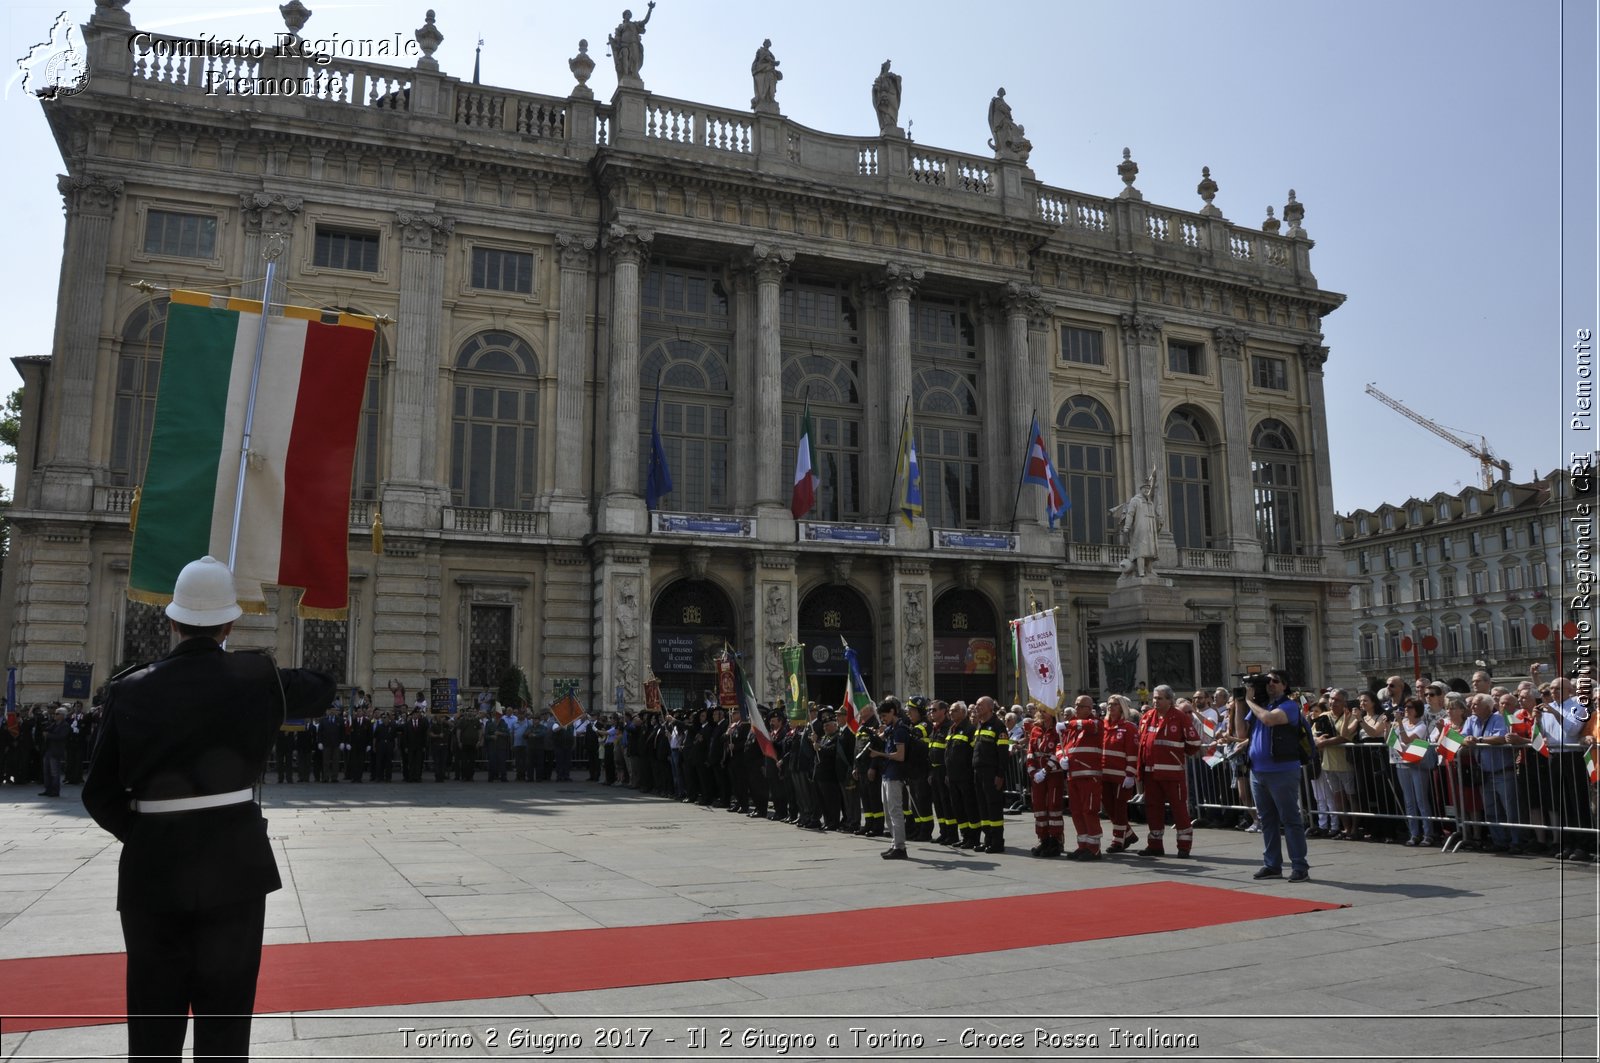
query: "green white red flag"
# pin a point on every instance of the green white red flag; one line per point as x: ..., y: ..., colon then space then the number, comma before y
x: 1541, y: 745
x: 294, y: 517
x: 1593, y: 764
x: 1450, y: 744
x: 1411, y: 751
x: 805, y: 470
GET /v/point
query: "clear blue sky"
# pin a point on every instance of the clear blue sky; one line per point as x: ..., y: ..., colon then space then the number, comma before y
x: 1424, y: 138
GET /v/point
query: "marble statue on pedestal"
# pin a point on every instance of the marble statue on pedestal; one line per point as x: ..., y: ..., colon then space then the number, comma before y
x: 1008, y: 141
x: 1140, y: 520
x: 766, y: 75
x: 886, y: 101
x: 627, y: 46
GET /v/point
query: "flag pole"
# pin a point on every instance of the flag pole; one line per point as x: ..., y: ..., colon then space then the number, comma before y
x: 273, y: 249
x: 899, y: 453
x: 1033, y: 419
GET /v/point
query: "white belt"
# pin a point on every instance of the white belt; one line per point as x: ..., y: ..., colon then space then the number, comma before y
x: 194, y: 804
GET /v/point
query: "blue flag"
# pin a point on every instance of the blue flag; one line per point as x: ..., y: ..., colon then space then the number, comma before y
x: 659, y: 482
x: 910, y: 475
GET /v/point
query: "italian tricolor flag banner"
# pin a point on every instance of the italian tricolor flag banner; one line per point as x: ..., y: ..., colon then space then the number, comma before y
x: 1541, y: 745
x: 1411, y: 751
x: 1450, y: 744
x: 804, y: 495
x: 1593, y: 764
x: 294, y: 520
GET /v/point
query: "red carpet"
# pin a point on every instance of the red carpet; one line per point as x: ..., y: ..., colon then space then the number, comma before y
x: 339, y: 975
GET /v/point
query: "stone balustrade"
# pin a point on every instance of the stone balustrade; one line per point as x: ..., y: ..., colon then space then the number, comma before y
x: 499, y: 522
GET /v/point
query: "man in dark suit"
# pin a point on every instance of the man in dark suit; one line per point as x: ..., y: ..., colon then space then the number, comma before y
x: 182, y: 743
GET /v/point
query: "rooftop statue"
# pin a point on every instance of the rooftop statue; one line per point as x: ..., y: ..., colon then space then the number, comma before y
x: 1008, y: 142
x: 764, y: 71
x: 627, y: 46
x: 886, y: 101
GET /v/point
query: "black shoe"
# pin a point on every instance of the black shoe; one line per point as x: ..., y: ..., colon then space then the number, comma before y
x: 970, y: 845
x: 896, y: 854
x: 1268, y: 872
x: 1076, y: 855
x: 1088, y: 856
x: 1299, y: 876
x: 1147, y: 851
x: 1182, y: 854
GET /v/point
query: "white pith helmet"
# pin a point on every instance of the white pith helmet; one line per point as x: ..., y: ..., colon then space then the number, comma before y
x: 204, y: 595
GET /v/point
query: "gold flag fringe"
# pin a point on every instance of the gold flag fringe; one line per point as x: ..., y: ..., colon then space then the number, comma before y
x: 305, y: 613
x: 133, y: 509
x: 377, y: 532
x: 148, y: 597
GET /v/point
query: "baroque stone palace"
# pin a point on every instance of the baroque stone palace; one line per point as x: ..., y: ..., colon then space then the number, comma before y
x: 553, y: 263
x: 1483, y: 572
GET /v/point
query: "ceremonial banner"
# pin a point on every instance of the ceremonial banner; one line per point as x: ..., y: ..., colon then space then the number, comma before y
x: 794, y: 681
x: 1038, y: 469
x: 752, y: 712
x: 804, y: 495
x: 727, y: 686
x: 856, y: 698
x: 910, y: 475
x: 78, y: 681
x: 295, y: 513
x: 1041, y: 659
x: 652, y: 695
x: 566, y: 710
x: 442, y: 695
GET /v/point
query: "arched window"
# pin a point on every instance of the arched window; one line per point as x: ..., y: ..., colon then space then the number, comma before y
x: 946, y: 405
x: 138, y: 373
x: 1275, y: 478
x: 696, y: 413
x: 1086, y: 458
x: 1190, y: 505
x: 829, y: 384
x: 494, y: 428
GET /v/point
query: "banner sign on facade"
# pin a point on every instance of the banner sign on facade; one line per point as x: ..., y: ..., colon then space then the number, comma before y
x: 878, y: 534
x: 950, y: 540
x: 955, y: 655
x: 682, y: 524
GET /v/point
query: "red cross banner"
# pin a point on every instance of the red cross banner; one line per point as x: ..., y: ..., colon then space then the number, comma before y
x: 1041, y: 659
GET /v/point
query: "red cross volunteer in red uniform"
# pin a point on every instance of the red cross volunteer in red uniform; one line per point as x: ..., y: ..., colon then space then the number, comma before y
x: 1167, y: 738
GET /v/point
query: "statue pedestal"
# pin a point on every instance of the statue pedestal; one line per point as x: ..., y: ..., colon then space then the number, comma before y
x: 1147, y: 636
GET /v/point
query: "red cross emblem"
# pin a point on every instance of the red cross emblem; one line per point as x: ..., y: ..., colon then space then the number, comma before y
x: 1043, y: 668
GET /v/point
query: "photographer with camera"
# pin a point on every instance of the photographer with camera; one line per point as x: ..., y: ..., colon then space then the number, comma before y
x: 1275, y: 774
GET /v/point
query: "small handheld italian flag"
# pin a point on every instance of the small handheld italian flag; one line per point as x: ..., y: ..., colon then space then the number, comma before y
x: 1541, y: 745
x: 1412, y: 751
x: 1450, y: 743
x: 1593, y: 764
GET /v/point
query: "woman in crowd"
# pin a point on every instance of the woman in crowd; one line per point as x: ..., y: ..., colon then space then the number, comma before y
x: 1416, y: 776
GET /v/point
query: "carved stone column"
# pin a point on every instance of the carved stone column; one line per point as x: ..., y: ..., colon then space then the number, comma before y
x: 1319, y: 500
x: 623, y: 508
x: 1019, y: 301
x: 996, y: 397
x: 266, y: 214
x: 747, y: 403
x: 569, y: 516
x: 1142, y: 344
x: 910, y: 643
x: 769, y: 265
x: 899, y: 284
x: 413, y: 495
x: 68, y: 480
x: 1241, y: 532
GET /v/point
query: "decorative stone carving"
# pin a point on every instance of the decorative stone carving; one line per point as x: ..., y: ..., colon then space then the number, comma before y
x: 627, y: 45
x: 1272, y: 224
x: 1019, y: 298
x: 776, y: 628
x: 294, y: 15
x: 1230, y: 341
x: 901, y: 279
x: 769, y: 263
x: 697, y: 559
x: 971, y: 571
x: 575, y: 251
x: 1208, y: 191
x: 1139, y: 521
x: 886, y: 102
x: 914, y: 640
x: 428, y: 232
x: 1294, y: 213
x: 1145, y: 328
x: 582, y: 66
x: 269, y: 211
x: 764, y: 73
x: 90, y: 193
x: 1127, y: 169
x: 628, y: 243
x: 839, y: 569
x: 625, y: 620
x: 1007, y: 140
x: 1315, y: 356
x: 428, y: 39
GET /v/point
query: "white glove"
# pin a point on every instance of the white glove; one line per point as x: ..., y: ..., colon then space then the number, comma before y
x: 1061, y: 728
x: 1038, y: 776
x: 1127, y: 784
x: 319, y: 747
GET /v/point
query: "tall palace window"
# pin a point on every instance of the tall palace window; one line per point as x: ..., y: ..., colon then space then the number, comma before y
x: 1275, y: 478
x: 1087, y: 459
x: 944, y: 400
x: 821, y: 366
x: 1190, y: 497
x: 686, y: 341
x: 138, y: 373
x: 494, y: 429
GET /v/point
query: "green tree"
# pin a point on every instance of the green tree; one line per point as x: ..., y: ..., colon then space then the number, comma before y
x: 513, y: 690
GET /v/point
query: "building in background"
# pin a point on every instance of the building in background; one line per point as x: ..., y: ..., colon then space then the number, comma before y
x: 553, y: 265
x: 1479, y: 571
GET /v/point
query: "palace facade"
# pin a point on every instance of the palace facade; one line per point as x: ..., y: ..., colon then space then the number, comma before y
x: 550, y: 264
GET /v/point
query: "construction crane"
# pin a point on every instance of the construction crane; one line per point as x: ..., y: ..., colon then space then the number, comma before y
x: 1487, y: 462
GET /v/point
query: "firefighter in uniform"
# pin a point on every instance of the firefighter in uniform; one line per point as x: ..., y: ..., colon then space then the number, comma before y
x: 958, y: 776
x: 919, y: 820
x: 1167, y: 739
x: 1081, y: 757
x: 439, y: 746
x: 1046, y: 778
x: 990, y: 748
x: 938, y: 784
x: 868, y: 786
x: 1119, y: 763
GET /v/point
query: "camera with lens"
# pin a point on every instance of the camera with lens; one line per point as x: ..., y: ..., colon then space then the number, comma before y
x: 1253, y: 687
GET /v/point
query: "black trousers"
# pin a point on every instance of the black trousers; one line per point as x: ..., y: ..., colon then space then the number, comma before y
x: 205, y: 960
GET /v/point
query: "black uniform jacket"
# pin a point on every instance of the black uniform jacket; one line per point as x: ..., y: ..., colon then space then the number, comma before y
x: 199, y: 721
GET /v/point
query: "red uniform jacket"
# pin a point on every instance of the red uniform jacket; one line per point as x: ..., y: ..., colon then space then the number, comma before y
x: 1119, y: 750
x: 1042, y: 746
x: 1080, y: 749
x: 1165, y: 742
